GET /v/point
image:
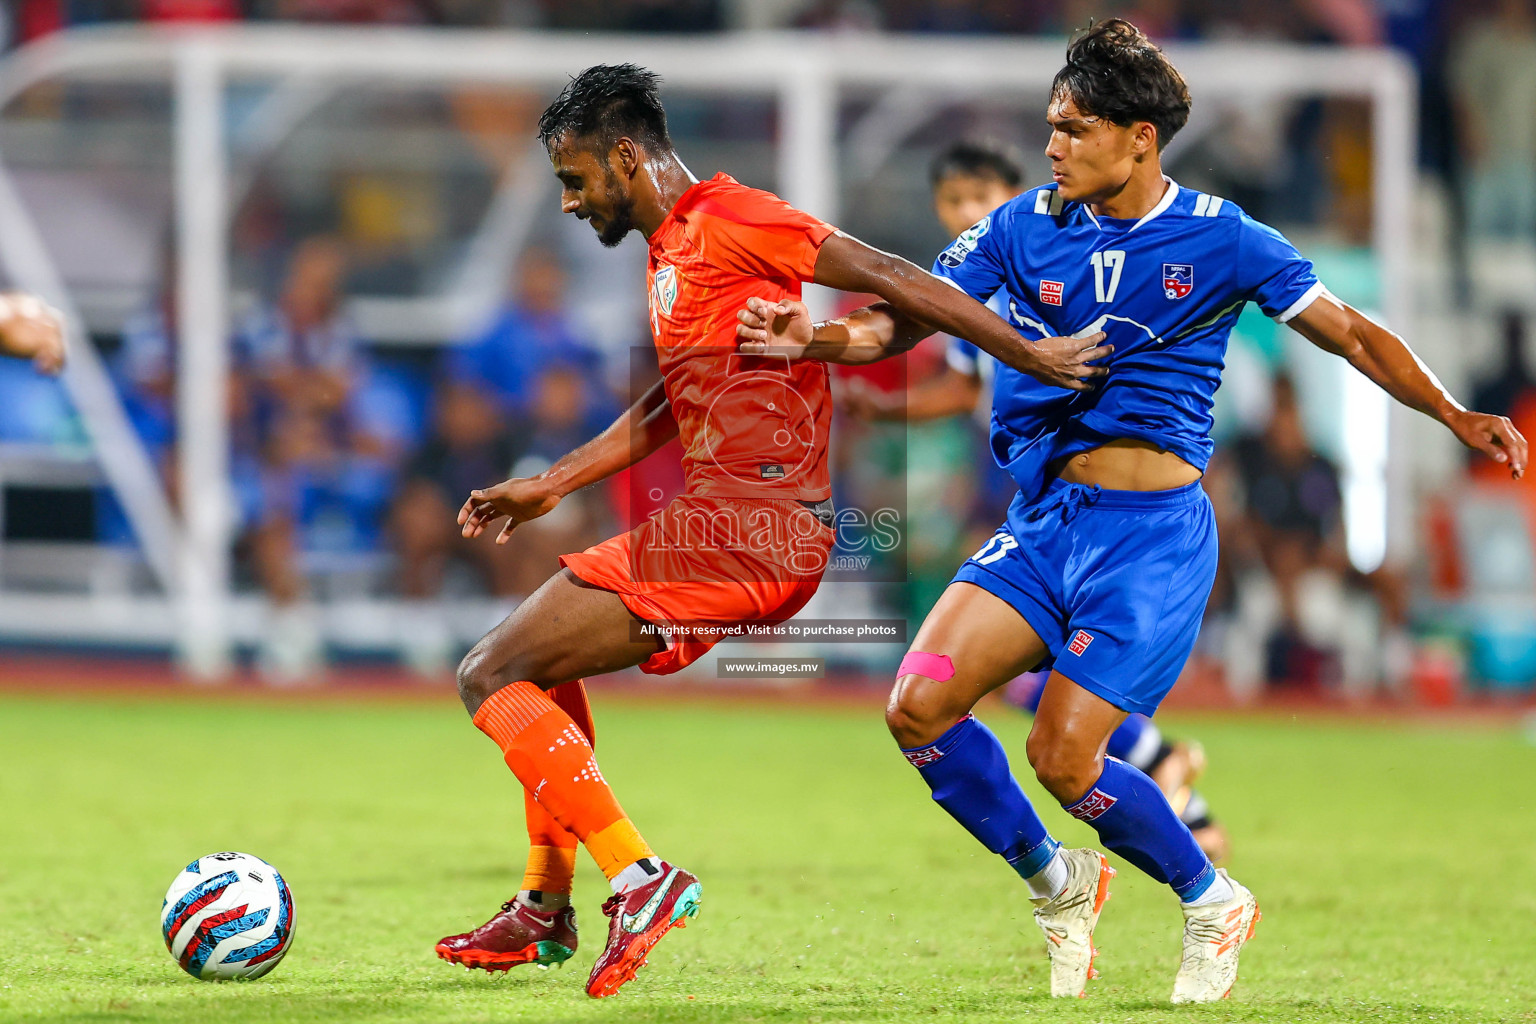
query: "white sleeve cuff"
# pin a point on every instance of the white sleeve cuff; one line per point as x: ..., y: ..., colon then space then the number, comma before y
x: 960, y: 361
x: 1307, y: 298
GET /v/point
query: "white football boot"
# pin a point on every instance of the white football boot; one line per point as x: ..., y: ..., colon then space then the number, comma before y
x: 1213, y: 938
x: 1069, y: 919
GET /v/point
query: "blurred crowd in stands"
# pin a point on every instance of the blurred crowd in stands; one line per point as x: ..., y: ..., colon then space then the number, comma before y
x: 1347, y: 21
x: 1474, y: 59
x: 350, y: 458
x: 341, y: 456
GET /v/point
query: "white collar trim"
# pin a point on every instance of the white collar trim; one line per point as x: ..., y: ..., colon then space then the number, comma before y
x: 1169, y: 195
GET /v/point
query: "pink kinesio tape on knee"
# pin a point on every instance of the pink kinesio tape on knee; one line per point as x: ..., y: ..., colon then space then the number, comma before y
x: 937, y: 667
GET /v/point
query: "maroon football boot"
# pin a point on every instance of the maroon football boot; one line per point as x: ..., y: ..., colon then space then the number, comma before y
x: 636, y: 922
x: 518, y: 934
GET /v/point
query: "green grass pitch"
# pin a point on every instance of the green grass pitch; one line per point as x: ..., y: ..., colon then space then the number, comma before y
x: 1396, y: 865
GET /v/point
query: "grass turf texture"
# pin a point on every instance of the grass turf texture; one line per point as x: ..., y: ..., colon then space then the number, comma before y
x: 1395, y: 865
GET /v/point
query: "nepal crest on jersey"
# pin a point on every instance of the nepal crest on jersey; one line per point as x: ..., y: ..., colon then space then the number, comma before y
x: 664, y: 288
x: 1178, y: 279
x: 962, y: 247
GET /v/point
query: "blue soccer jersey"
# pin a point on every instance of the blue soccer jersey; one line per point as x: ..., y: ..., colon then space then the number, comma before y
x: 1167, y: 290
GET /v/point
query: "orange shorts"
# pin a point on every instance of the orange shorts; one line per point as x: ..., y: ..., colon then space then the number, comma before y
x: 706, y: 561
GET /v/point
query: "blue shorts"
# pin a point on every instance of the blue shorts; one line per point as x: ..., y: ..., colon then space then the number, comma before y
x: 1114, y: 582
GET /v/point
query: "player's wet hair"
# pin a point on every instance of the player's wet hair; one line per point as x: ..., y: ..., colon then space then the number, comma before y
x: 978, y: 158
x: 605, y: 103
x: 1115, y: 72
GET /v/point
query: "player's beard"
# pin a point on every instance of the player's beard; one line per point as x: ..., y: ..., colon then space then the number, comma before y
x: 622, y: 222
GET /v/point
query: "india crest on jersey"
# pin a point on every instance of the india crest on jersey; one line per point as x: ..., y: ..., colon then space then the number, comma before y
x: 664, y: 289
x: 1178, y: 279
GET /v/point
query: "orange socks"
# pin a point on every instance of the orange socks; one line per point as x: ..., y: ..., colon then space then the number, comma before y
x: 551, y: 853
x: 552, y: 758
x: 551, y: 849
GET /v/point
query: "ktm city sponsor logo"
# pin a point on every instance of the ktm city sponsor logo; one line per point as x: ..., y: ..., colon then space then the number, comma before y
x: 1092, y: 805
x: 927, y: 755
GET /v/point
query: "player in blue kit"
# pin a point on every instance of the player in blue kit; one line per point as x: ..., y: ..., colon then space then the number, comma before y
x: 970, y: 179
x: 1104, y: 564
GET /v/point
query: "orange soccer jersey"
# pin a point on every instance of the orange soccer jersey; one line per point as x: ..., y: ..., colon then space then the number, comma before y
x: 738, y: 546
x: 751, y: 426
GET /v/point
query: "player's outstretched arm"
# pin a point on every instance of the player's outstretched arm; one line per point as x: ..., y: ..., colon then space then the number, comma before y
x: 639, y: 431
x: 950, y: 393
x: 916, y: 304
x: 1386, y: 359
x: 31, y: 329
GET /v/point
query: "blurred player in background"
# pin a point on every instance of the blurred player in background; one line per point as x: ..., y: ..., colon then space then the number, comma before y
x: 31, y: 329
x: 1104, y: 564
x: 970, y: 179
x: 746, y: 542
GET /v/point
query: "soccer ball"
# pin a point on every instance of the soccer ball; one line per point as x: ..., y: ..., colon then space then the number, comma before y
x: 227, y: 916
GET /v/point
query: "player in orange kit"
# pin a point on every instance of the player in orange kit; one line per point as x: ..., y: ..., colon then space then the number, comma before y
x: 746, y: 542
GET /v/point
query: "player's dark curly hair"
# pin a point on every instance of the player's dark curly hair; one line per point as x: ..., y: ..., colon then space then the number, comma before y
x: 1115, y: 72
x: 604, y: 103
x: 978, y: 158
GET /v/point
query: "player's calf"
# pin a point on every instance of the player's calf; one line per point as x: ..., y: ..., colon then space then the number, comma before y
x: 1066, y: 763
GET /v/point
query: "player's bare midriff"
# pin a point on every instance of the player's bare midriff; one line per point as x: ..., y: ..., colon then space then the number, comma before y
x: 1125, y: 464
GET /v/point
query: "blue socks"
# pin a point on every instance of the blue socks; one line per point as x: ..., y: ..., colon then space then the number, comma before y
x: 1133, y: 819
x: 967, y: 770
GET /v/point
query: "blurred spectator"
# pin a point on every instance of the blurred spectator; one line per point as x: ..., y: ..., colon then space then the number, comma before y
x: 669, y: 16
x: 474, y: 444
x: 1346, y: 22
x: 568, y: 408
x: 470, y: 446
x: 315, y: 435
x: 970, y: 16
x: 1492, y: 71
x: 33, y: 19
x: 1302, y: 615
x: 189, y: 10
x: 840, y: 16
x: 144, y: 369
x: 318, y: 477
x: 635, y: 15
x: 512, y: 402
x: 535, y: 328
x: 1509, y: 390
x: 397, y: 12
x: 1346, y: 151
